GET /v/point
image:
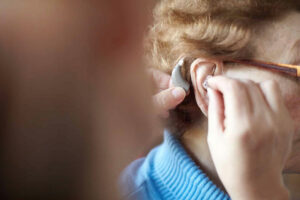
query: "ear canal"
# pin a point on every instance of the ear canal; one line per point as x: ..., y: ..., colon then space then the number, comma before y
x: 177, y: 79
x: 205, y: 84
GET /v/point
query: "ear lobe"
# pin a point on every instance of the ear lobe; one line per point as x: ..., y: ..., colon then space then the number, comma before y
x: 200, y: 69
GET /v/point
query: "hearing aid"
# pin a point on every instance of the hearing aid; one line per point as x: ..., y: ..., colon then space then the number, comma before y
x: 177, y: 78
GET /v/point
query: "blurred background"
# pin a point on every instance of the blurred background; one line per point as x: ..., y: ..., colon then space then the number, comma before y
x: 68, y: 98
x: 70, y: 90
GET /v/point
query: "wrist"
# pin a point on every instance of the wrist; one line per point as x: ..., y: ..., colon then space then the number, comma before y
x: 260, y: 190
x: 276, y: 194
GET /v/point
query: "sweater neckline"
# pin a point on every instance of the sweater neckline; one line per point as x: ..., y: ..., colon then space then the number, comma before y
x: 179, y: 176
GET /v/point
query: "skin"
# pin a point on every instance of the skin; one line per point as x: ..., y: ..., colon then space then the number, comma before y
x: 274, y: 42
x: 283, y: 50
x: 167, y: 97
x: 251, y: 129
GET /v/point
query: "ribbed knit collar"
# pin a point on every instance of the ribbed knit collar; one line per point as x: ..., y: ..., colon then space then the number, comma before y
x: 177, y: 175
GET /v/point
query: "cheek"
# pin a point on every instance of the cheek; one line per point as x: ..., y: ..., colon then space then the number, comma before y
x: 291, y: 93
x: 293, y: 106
x: 296, y: 118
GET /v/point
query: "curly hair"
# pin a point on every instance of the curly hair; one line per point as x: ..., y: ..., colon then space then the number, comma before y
x: 219, y: 29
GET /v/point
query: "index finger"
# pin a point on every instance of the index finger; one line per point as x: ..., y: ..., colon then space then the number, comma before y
x: 168, y: 99
x: 235, y: 95
x: 215, y: 112
x: 160, y: 79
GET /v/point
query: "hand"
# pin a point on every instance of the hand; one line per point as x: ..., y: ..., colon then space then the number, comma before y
x: 250, y: 134
x: 168, y: 97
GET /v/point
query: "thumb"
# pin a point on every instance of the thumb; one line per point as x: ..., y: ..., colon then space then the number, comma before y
x: 168, y: 99
x: 215, y: 112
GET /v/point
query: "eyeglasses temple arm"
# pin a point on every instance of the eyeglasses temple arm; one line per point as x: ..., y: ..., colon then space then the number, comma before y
x: 293, y: 70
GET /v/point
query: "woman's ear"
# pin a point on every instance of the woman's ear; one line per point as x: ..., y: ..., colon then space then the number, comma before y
x: 200, y: 69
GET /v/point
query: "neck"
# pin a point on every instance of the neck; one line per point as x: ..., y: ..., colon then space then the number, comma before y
x: 195, y: 141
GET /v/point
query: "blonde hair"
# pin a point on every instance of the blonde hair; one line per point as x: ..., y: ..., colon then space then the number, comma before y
x: 218, y: 29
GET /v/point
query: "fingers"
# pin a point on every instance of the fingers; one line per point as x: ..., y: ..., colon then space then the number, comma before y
x: 235, y: 95
x: 168, y: 99
x: 215, y: 112
x: 244, y: 101
x: 257, y: 101
x: 272, y: 95
x: 160, y: 79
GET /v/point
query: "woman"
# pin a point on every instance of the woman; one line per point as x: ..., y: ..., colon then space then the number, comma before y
x: 252, y: 111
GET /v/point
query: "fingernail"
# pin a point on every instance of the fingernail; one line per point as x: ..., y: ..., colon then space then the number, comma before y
x: 178, y: 93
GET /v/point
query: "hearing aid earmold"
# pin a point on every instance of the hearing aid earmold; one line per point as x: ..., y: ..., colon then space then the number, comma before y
x: 177, y: 79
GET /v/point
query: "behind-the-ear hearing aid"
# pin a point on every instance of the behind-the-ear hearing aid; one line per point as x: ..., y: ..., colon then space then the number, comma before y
x: 177, y: 79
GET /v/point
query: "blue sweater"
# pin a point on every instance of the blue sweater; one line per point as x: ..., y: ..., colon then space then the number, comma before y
x: 168, y: 172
